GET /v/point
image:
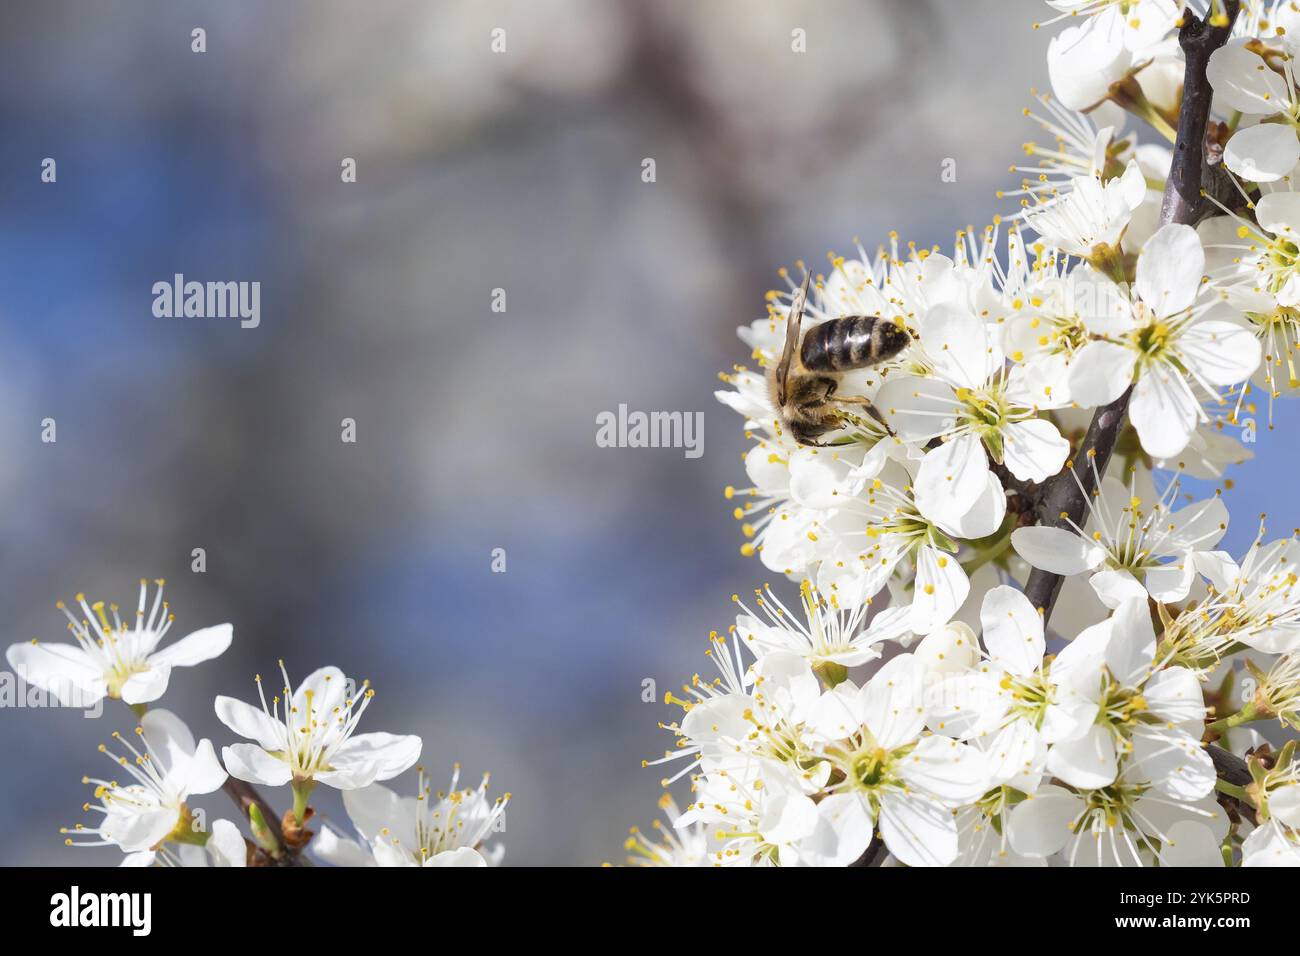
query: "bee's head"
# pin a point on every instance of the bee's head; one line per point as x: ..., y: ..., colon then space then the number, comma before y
x: 893, y: 339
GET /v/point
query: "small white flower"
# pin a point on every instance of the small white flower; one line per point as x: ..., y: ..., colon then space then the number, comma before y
x: 110, y: 659
x: 1256, y: 603
x: 890, y: 774
x: 1129, y: 550
x: 1166, y: 341
x: 1084, y: 60
x: 718, y: 707
x: 309, y: 735
x: 1124, y: 824
x: 979, y: 411
x: 1083, y: 146
x: 448, y: 830
x: 1256, y: 265
x: 1046, y: 327
x: 824, y: 633
x: 755, y: 818
x: 164, y: 771
x: 1136, y: 24
x: 875, y: 530
x: 793, y: 488
x: 1149, y: 714
x: 687, y: 846
x: 982, y: 832
x: 1242, y: 80
x: 1012, y: 705
x: 1089, y: 221
x: 225, y: 847
x: 1271, y: 845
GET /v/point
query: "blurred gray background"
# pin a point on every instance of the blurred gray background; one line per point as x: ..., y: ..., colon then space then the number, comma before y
x: 476, y: 171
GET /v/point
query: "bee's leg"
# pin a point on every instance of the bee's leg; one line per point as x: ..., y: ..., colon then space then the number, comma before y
x: 807, y: 436
x: 865, y: 404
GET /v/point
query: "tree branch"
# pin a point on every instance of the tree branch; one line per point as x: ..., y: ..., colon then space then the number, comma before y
x: 1183, y: 201
x: 1066, y: 494
x: 1064, y: 497
x: 245, y: 796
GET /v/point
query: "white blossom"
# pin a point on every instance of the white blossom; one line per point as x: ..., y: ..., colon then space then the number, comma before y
x: 309, y: 735
x: 112, y: 659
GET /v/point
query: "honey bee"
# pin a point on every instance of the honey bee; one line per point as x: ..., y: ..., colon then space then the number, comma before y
x: 803, y: 386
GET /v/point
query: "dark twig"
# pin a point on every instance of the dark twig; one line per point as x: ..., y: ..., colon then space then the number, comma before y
x: 1066, y: 493
x: 1183, y: 201
x: 1064, y: 496
x: 246, y: 796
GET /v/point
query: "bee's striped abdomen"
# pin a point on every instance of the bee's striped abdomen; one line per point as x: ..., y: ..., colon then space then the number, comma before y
x: 842, y: 344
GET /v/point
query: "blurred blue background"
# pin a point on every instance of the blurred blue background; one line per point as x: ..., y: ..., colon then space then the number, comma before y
x: 476, y: 171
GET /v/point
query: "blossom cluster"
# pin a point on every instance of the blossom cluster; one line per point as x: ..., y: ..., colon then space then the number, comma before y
x: 306, y: 735
x: 914, y: 707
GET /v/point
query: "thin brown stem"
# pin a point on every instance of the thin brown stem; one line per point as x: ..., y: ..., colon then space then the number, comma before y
x: 246, y: 796
x: 1064, y: 496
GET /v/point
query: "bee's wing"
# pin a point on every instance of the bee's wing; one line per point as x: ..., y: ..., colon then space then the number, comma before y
x: 792, y: 324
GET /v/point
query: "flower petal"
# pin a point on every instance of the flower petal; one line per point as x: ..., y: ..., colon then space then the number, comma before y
x: 251, y: 763
x: 917, y: 830
x: 338, y: 850
x: 952, y: 478
x: 948, y: 770
x: 250, y: 722
x: 941, y: 587
x: 1088, y: 762
x: 374, y: 808
x: 982, y: 518
x: 1016, y: 751
x: 226, y: 845
x: 1169, y: 269
x: 1099, y: 373
x: 1242, y: 81
x: 168, y: 737
x: 202, y: 645
x: 205, y: 773
x: 1132, y: 643
x: 1013, y: 631
x: 321, y: 691
x: 959, y: 346
x: 1190, y: 844
x: 1163, y: 411
x: 1114, y: 586
x: 382, y: 755
x: 1222, y: 353
x: 1040, y: 826
x: 1279, y: 213
x: 144, y: 687
x: 1034, y: 450
x: 1263, y: 153
x: 1175, y: 763
x: 61, y: 670
x: 1057, y: 550
x: 461, y: 856
x: 892, y: 702
x: 1170, y: 582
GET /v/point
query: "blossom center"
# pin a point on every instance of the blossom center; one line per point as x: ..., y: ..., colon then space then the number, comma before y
x: 1030, y: 695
